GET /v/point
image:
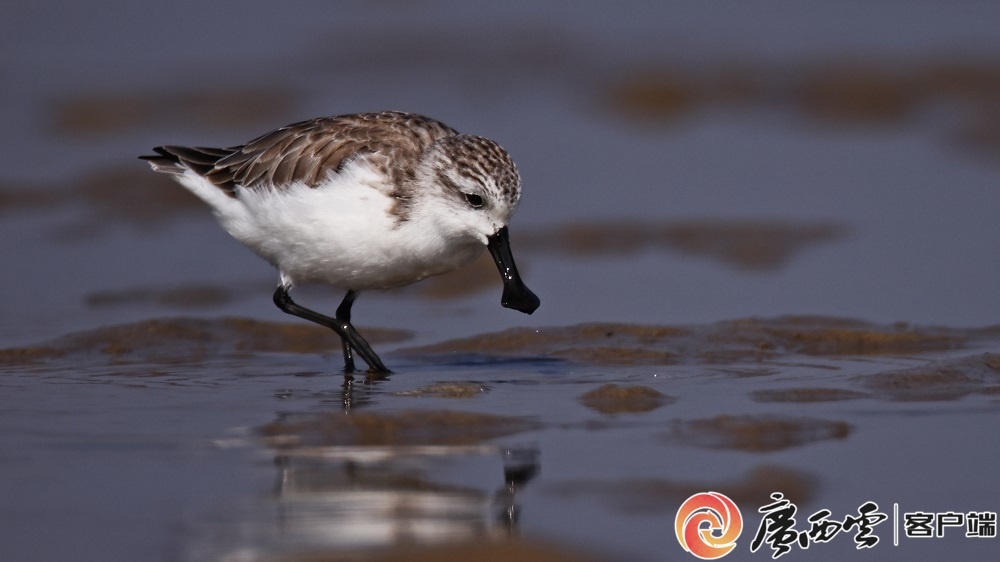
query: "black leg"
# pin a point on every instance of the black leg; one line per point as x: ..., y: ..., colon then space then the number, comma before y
x: 344, y: 317
x: 349, y: 336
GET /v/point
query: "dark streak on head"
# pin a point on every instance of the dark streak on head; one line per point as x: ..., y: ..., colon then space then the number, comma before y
x: 444, y: 179
x: 481, y: 160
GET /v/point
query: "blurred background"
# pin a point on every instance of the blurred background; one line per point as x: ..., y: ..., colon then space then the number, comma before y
x: 682, y: 162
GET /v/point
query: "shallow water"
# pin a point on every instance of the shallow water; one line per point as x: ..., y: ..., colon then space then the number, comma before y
x: 764, y: 246
x: 233, y: 440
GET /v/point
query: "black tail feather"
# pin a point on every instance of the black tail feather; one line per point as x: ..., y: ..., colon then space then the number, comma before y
x: 175, y: 159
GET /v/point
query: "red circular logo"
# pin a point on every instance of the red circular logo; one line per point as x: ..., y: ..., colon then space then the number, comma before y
x: 708, y: 525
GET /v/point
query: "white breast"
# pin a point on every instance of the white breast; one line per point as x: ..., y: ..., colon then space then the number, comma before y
x: 343, y: 233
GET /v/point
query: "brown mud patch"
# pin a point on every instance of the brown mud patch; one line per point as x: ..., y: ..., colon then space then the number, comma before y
x: 857, y: 93
x: 574, y: 341
x: 446, y: 390
x: 198, y: 296
x: 826, y: 336
x: 887, y: 94
x: 744, y: 244
x: 940, y: 380
x: 176, y: 340
x: 723, y: 343
x: 832, y: 337
x: 833, y: 93
x: 128, y: 194
x: 417, y: 427
x: 641, y: 496
x: 615, y: 399
x: 604, y: 355
x: 657, y: 96
x: 806, y: 395
x: 756, y: 433
x: 109, y: 113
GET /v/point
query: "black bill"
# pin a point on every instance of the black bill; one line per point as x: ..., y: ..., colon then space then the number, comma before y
x: 515, y: 294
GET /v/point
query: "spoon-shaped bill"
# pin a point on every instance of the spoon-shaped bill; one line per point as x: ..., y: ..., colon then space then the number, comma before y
x: 515, y: 294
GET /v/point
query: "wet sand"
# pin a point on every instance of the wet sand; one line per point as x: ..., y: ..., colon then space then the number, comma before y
x: 471, y: 440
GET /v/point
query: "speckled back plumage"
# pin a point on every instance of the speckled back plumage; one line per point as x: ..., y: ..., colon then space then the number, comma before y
x: 308, y: 151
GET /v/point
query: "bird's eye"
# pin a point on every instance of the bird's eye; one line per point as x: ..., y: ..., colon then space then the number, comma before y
x: 475, y: 201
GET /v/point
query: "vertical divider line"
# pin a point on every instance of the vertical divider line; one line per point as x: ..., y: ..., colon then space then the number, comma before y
x: 895, y: 524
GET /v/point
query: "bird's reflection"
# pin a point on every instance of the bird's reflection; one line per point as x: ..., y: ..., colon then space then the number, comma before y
x: 357, y: 390
x: 520, y: 465
x: 360, y: 498
x: 353, y: 480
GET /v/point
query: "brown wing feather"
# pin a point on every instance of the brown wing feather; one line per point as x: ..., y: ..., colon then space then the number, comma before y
x: 309, y: 151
